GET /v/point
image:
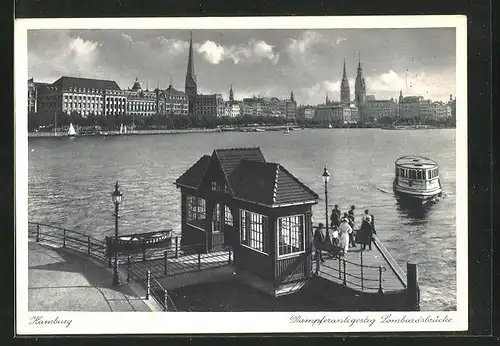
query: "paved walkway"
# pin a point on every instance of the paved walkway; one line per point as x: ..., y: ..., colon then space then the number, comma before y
x: 64, y: 280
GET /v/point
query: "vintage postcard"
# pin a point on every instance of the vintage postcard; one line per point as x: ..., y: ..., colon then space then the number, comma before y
x: 241, y: 175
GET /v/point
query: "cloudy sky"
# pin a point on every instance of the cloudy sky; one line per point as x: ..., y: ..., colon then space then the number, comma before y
x: 255, y: 62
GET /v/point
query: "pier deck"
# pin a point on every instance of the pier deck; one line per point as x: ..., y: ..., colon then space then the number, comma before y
x: 182, y: 264
x: 364, y: 279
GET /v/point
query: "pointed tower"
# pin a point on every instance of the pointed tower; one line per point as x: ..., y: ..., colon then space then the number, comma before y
x: 360, y: 87
x: 190, y: 86
x: 327, y: 101
x: 291, y: 96
x: 400, y: 96
x: 345, y: 92
x: 231, y: 96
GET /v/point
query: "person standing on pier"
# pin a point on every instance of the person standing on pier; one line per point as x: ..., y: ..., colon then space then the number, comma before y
x: 367, y: 213
x: 319, y: 240
x: 351, y: 223
x: 365, y: 234
x: 335, y: 222
x: 344, y: 231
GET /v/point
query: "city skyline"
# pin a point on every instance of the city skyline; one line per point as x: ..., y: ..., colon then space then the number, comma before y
x: 256, y: 62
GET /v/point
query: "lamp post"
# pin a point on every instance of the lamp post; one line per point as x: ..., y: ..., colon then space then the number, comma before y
x: 326, y: 177
x: 116, y: 197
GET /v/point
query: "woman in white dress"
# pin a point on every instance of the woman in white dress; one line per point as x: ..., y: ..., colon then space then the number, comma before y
x: 344, y: 230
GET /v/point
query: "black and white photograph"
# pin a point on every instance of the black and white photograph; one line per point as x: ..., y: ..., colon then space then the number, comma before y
x: 284, y: 175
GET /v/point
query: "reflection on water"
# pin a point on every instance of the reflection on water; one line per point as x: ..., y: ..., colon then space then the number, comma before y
x: 414, y: 211
x: 70, y: 184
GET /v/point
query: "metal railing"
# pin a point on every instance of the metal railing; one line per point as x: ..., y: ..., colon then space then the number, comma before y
x: 348, y: 275
x: 68, y: 239
x: 165, y: 262
x: 95, y: 248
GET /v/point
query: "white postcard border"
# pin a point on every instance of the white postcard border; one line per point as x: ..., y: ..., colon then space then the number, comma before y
x: 235, y: 322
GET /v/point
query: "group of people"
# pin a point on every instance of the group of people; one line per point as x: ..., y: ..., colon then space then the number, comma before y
x: 342, y: 232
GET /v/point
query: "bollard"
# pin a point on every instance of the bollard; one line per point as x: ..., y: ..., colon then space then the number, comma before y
x: 380, y: 290
x: 37, y: 232
x: 317, y: 261
x: 176, y: 247
x: 345, y: 282
x: 64, y: 237
x: 148, y: 284
x: 165, y: 301
x: 199, y: 261
x: 128, y: 268
x: 340, y: 269
x: 412, y: 287
x: 361, y: 268
x: 165, y: 263
x: 88, y: 246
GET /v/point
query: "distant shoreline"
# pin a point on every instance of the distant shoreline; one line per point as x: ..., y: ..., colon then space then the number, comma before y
x: 239, y: 129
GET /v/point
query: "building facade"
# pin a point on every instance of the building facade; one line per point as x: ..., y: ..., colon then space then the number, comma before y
x: 211, y: 105
x: 140, y: 102
x: 232, y: 109
x: 172, y: 101
x: 32, y: 97
x: 252, y: 106
x: 415, y: 107
x: 378, y: 109
x: 82, y: 95
x: 442, y: 110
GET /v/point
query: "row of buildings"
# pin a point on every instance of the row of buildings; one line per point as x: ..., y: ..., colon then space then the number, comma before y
x: 366, y: 109
x: 373, y: 110
x: 104, y: 97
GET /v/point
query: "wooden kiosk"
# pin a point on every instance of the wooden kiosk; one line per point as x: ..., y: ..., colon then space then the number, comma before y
x: 235, y: 198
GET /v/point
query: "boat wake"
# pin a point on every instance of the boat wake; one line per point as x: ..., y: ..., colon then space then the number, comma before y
x: 378, y: 188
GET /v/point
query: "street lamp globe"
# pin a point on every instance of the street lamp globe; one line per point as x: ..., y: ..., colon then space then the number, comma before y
x: 116, y: 196
x: 326, y: 176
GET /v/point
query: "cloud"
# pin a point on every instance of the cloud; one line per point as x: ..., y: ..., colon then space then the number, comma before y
x: 339, y: 40
x: 212, y: 52
x: 70, y: 56
x: 251, y: 52
x: 307, y: 40
x: 388, y: 84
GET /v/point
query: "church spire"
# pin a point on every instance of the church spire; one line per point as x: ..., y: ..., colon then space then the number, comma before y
x: 190, y: 85
x: 291, y: 96
x: 190, y: 67
x: 360, y: 87
x: 345, y: 91
x: 231, y: 96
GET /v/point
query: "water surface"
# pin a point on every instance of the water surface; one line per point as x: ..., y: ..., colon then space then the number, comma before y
x: 71, y: 181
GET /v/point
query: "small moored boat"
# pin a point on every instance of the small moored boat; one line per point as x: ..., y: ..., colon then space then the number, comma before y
x: 138, y: 242
x: 417, y: 178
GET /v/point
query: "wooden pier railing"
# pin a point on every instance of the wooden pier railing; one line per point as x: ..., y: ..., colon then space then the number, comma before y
x: 95, y: 248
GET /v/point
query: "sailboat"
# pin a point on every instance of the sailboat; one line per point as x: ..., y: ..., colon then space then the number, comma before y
x: 71, y: 131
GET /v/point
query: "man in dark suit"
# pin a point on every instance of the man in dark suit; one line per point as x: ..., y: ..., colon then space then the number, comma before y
x: 351, y: 223
x: 319, y: 240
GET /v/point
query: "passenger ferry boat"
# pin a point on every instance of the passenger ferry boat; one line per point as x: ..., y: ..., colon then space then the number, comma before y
x: 417, y: 178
